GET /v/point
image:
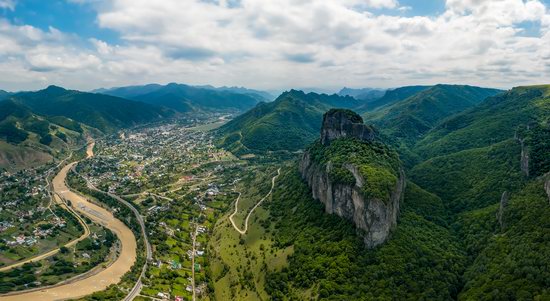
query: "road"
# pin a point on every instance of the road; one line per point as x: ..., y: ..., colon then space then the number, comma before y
x: 243, y: 231
x: 54, y: 251
x: 193, y: 259
x: 57, y: 199
x: 136, y: 290
x: 53, y: 197
x: 97, y: 282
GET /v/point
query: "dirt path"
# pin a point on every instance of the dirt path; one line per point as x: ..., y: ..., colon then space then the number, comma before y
x: 243, y: 231
x: 101, y: 280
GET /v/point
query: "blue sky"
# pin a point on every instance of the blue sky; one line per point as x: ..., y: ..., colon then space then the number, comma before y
x: 86, y: 44
x: 71, y: 17
x: 80, y: 18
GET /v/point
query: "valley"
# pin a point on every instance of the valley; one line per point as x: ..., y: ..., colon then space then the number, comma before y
x: 256, y: 150
x: 365, y: 210
x: 99, y: 280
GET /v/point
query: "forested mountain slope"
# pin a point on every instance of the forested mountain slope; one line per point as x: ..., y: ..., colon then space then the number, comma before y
x: 27, y: 139
x: 290, y: 122
x: 490, y: 165
x: 103, y: 112
x: 185, y: 98
x: 494, y: 120
x: 391, y: 96
x: 412, y: 117
x: 475, y: 227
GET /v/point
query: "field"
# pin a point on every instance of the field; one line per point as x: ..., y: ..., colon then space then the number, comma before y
x: 91, y: 254
x: 238, y: 263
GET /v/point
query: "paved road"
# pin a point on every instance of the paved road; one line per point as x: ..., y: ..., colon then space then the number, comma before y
x: 243, y: 231
x: 193, y: 259
x: 136, y: 290
x: 97, y: 282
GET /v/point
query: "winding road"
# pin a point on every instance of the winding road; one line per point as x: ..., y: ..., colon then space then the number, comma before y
x: 194, y: 251
x: 134, y: 292
x: 243, y: 231
x: 97, y: 282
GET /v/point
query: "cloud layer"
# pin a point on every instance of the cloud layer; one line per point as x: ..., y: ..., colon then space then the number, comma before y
x: 286, y: 43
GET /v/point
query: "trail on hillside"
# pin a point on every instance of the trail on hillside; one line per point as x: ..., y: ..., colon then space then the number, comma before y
x: 243, y: 231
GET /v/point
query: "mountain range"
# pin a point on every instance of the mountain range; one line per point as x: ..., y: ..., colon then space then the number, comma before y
x: 392, y: 96
x: 365, y: 94
x: 289, y: 123
x: 103, y: 112
x: 463, y: 173
x: 473, y: 224
x: 404, y: 113
x: 185, y: 98
x: 28, y: 139
x: 40, y: 124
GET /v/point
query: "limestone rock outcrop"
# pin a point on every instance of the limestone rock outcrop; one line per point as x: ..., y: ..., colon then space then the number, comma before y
x: 338, y: 123
x: 504, y: 199
x: 547, y: 186
x: 374, y: 216
x: 524, y: 156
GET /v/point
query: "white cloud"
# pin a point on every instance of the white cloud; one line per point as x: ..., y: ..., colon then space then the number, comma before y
x: 290, y: 43
x: 7, y: 4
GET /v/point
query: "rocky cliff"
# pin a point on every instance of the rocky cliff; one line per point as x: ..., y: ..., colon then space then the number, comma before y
x: 504, y: 200
x: 338, y: 123
x: 547, y: 185
x: 364, y: 185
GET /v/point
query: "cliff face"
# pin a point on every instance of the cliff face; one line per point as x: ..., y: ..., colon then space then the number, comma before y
x: 374, y: 215
x: 524, y: 161
x: 547, y: 186
x: 338, y: 123
x: 504, y: 199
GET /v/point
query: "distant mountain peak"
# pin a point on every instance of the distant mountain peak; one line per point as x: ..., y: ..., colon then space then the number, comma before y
x: 54, y: 88
x: 294, y: 92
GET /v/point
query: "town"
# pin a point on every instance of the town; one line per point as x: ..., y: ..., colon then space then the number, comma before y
x: 181, y: 184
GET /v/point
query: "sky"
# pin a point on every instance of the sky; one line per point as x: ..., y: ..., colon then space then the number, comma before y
x: 273, y: 45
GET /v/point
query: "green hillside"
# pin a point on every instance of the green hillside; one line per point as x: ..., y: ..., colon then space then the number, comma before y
x: 4, y: 94
x: 494, y: 120
x: 414, y: 116
x: 106, y: 113
x: 513, y: 263
x: 290, y: 122
x: 27, y: 139
x: 449, y: 243
x: 472, y: 178
x: 422, y: 260
x: 392, y: 96
x: 476, y: 157
x: 184, y: 98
